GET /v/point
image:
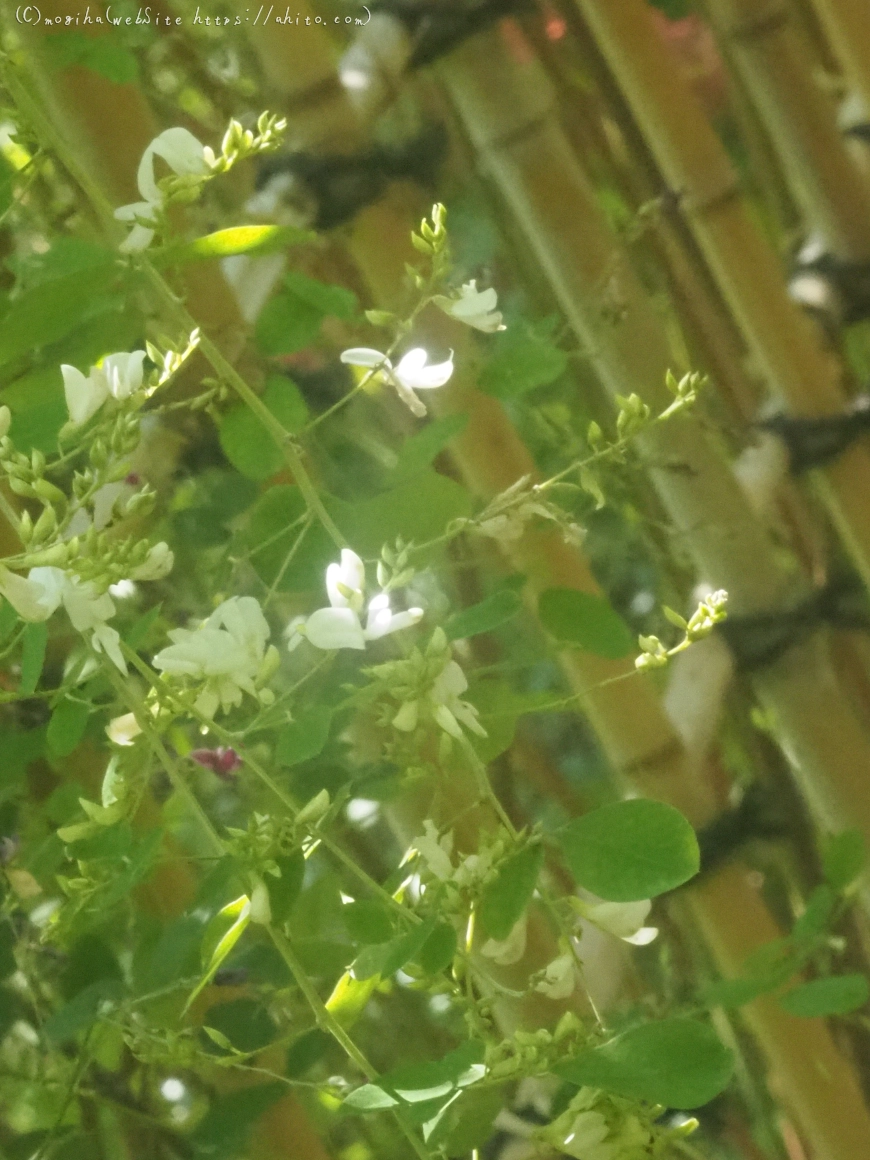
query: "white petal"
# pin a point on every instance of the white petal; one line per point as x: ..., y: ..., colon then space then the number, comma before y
x: 29, y: 599
x: 84, y: 396
x: 414, y: 372
x: 138, y: 211
x: 621, y: 919
x: 157, y: 564
x: 365, y: 356
x: 122, y: 730
x: 558, y: 980
x: 138, y: 239
x: 331, y: 628
x: 345, y: 582
x: 180, y: 150
x: 415, y: 405
x: 53, y: 583
x: 123, y: 372
x: 107, y: 640
x: 448, y: 722
x: 643, y: 937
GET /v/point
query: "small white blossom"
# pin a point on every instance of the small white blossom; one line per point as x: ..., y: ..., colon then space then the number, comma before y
x: 436, y: 852
x: 261, y: 906
x: 117, y: 375
x: 228, y: 653
x: 186, y: 157
x: 510, y: 950
x: 157, y: 564
x: 558, y: 978
x: 339, y: 626
x: 412, y: 373
x: 449, y: 711
x: 474, y: 307
x: 585, y: 1140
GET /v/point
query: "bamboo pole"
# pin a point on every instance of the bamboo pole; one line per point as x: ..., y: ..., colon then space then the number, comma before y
x: 847, y: 24
x: 778, y: 72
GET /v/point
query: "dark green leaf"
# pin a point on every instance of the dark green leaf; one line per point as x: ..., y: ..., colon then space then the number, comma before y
x: 439, y: 949
x: 679, y: 1063
x: 815, y: 918
x: 284, y: 891
x: 50, y: 310
x: 34, y: 641
x: 495, y: 610
x: 329, y: 300
x: 386, y: 958
x: 520, y: 364
x: 103, y: 55
x: 223, y: 1130
x: 81, y: 1011
x: 507, y: 896
x: 368, y: 921
x: 245, y: 1023
x: 246, y: 442
x: 305, y: 738
x: 67, y: 726
x: 837, y: 995
x: 631, y: 850
x: 585, y: 620
x: 418, y: 450
x: 305, y: 1051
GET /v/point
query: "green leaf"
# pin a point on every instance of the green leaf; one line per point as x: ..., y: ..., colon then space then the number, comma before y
x: 305, y: 738
x: 67, y: 726
x: 241, y: 240
x: 81, y: 1011
x: 304, y: 1052
x: 837, y: 995
x: 585, y: 620
x: 34, y: 641
x: 679, y: 1063
x: 520, y: 364
x: 221, y: 935
x: 384, y: 959
x: 495, y: 610
x: 245, y: 1023
x: 419, y: 511
x: 102, y: 55
x: 631, y: 850
x: 507, y: 896
x: 815, y: 918
x: 735, y: 992
x: 291, y: 320
x: 223, y: 1130
x: 284, y: 891
x: 368, y: 921
x: 49, y: 311
x: 844, y: 858
x: 418, y: 451
x: 370, y: 1098
x: 246, y: 442
x: 439, y: 950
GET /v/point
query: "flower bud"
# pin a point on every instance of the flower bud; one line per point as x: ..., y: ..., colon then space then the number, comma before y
x: 5, y: 421
x: 48, y: 492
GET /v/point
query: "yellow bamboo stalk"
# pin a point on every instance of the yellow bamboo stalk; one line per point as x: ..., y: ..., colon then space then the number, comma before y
x: 847, y: 23
x: 778, y: 72
x: 636, y: 735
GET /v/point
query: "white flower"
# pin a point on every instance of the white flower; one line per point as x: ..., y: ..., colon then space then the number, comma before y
x: 474, y: 307
x: 586, y: 1139
x: 435, y: 851
x: 45, y: 589
x: 624, y: 920
x: 122, y: 730
x: 228, y: 653
x: 510, y: 950
x: 558, y: 979
x: 261, y: 906
x: 339, y: 626
x: 186, y: 157
x: 117, y: 375
x: 157, y: 564
x: 412, y: 372
x: 442, y: 700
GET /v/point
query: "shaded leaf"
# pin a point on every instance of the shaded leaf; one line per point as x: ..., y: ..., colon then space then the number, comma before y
x: 305, y: 738
x: 837, y: 995
x: 507, y: 896
x: 495, y: 610
x: 589, y: 621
